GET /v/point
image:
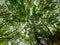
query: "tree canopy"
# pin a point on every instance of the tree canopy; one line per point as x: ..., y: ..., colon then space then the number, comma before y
x: 29, y: 22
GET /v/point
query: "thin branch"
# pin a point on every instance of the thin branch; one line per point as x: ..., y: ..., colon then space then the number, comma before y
x: 45, y: 25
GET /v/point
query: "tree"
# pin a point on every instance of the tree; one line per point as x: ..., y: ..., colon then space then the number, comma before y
x: 34, y: 22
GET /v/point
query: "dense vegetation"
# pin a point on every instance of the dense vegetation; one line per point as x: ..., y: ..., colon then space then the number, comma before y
x: 29, y: 22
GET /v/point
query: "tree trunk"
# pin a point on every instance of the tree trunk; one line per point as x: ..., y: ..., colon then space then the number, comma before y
x: 52, y: 43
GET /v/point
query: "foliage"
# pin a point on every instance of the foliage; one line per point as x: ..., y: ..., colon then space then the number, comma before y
x: 33, y: 22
